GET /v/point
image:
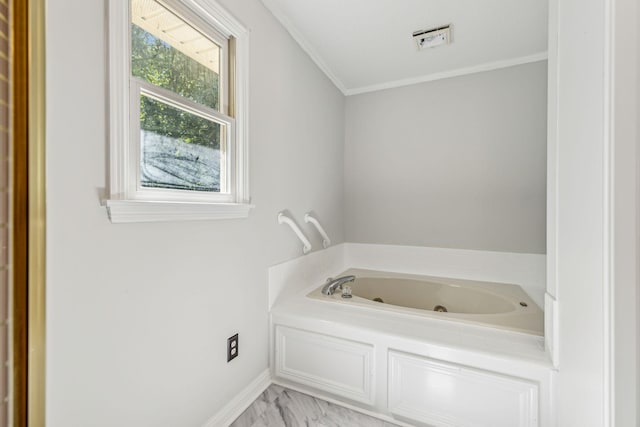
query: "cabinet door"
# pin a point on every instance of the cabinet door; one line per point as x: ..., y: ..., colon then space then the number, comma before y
x: 338, y: 366
x: 443, y: 394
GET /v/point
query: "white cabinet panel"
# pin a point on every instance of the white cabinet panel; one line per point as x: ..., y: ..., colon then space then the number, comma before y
x: 342, y: 367
x: 444, y: 394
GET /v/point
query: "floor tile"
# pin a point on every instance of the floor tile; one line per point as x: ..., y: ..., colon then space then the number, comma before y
x: 282, y: 407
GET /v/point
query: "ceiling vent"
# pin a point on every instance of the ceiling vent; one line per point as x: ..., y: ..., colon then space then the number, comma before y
x: 433, y: 37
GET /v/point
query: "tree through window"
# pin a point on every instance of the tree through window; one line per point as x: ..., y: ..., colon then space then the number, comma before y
x: 179, y: 150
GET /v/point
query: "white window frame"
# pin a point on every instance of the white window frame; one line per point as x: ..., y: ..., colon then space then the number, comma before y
x: 128, y: 201
x: 141, y: 88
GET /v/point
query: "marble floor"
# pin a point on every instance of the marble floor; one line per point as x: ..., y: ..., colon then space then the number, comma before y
x: 282, y: 407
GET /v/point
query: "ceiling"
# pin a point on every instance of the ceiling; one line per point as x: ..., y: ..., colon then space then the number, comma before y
x: 366, y: 45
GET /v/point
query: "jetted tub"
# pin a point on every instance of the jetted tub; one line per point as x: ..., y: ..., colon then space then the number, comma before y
x: 499, y: 305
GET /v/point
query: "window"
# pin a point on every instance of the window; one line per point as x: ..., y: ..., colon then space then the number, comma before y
x: 178, y: 119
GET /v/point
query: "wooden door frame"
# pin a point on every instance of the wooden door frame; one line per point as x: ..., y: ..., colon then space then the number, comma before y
x: 28, y: 212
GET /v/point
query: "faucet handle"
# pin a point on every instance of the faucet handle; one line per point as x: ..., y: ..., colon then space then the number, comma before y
x: 346, y: 291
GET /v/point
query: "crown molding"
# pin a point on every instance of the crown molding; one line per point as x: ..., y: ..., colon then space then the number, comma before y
x: 489, y: 66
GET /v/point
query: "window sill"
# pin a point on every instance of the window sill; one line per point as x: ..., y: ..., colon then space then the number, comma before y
x: 122, y: 211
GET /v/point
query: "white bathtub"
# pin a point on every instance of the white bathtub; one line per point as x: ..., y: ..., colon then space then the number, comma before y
x: 498, y: 305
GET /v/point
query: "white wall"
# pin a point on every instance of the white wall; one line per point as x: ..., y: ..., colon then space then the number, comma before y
x: 637, y: 389
x: 580, y: 219
x: 455, y: 163
x: 637, y: 214
x: 594, y: 260
x: 625, y: 199
x: 138, y: 314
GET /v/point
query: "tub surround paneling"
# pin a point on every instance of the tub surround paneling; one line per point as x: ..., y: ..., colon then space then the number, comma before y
x: 138, y: 314
x: 501, y: 368
x: 297, y: 273
x: 310, y: 359
x: 525, y: 270
x: 472, y: 397
x: 455, y: 163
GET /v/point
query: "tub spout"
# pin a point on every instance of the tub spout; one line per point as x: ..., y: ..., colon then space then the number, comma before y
x: 332, y: 284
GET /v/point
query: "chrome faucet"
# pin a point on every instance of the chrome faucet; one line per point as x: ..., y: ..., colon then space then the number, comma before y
x: 332, y: 284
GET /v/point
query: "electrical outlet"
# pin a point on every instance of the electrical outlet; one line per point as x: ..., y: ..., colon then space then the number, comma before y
x: 232, y: 347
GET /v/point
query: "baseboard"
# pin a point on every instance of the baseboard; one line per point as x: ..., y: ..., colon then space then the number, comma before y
x: 242, y: 401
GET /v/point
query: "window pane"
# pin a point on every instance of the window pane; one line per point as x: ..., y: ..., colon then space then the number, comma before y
x: 179, y: 150
x: 169, y: 53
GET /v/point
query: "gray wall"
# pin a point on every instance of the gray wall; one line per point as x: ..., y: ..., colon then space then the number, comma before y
x: 454, y: 163
x: 138, y: 314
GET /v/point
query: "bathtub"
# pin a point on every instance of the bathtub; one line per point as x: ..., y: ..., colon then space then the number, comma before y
x: 497, y: 305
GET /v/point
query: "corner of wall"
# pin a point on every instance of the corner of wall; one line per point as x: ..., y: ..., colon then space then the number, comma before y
x: 299, y: 273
